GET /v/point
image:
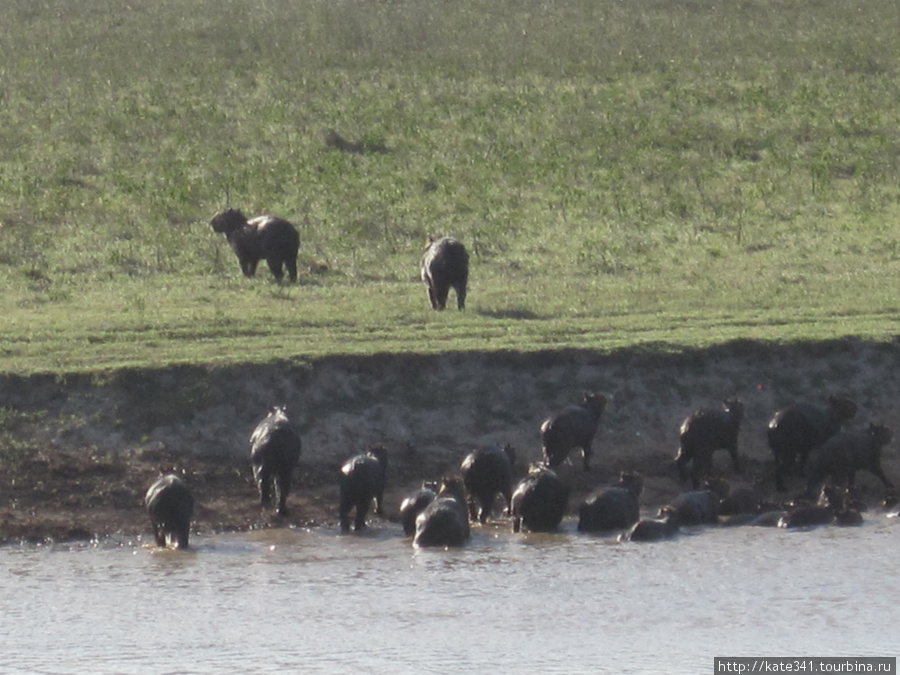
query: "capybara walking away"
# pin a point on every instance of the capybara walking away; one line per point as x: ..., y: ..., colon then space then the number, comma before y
x: 573, y: 427
x: 274, y: 452
x: 704, y: 432
x: 794, y: 431
x: 445, y: 265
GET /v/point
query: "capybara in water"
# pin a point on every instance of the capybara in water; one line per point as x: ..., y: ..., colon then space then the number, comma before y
x: 170, y: 506
x: 845, y: 453
x: 613, y: 508
x: 539, y: 501
x: 414, y: 504
x: 650, y: 529
x: 485, y: 472
x: 794, y: 431
x: 445, y: 265
x: 362, y: 480
x: 741, y: 501
x: 573, y: 427
x: 704, y: 432
x: 268, y: 238
x: 445, y: 521
x: 697, y: 507
x: 274, y: 452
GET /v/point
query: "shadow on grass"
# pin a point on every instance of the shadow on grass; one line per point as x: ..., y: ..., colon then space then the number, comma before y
x: 509, y: 313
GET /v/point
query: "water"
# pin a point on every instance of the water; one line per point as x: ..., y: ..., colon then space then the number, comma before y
x: 319, y: 602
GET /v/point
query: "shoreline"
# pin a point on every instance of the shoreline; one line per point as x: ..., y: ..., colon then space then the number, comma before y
x: 93, y: 499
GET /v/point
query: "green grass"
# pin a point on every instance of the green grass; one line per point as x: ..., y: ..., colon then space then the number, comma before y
x: 657, y: 173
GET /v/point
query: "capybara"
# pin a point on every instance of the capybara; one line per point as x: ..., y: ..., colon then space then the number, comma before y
x: 445, y: 265
x: 794, y: 431
x: 445, y: 521
x: 539, y: 501
x: 362, y: 480
x: 613, y: 508
x: 650, y: 529
x: 573, y: 427
x: 704, y: 432
x: 697, y: 507
x: 171, y: 507
x: 741, y: 501
x: 845, y: 453
x: 486, y: 472
x: 274, y: 452
x: 414, y: 504
x: 268, y: 238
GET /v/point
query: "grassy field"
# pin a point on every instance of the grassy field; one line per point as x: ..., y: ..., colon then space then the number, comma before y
x: 664, y: 173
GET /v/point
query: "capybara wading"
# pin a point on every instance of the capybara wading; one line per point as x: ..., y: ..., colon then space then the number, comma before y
x: 704, y: 432
x: 539, y: 501
x: 170, y: 506
x: 845, y: 453
x: 274, y: 452
x: 573, y: 427
x: 824, y: 512
x: 650, y: 529
x: 612, y: 508
x: 794, y: 431
x: 486, y: 472
x: 444, y: 522
x: 414, y: 504
x: 268, y: 238
x: 697, y: 507
x: 445, y: 265
x: 362, y: 480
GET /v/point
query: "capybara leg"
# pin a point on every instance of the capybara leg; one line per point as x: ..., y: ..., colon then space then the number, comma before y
x: 292, y: 269
x: 460, y: 297
x: 283, y: 487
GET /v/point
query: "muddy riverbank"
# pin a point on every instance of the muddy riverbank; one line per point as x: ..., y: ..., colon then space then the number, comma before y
x: 78, y: 451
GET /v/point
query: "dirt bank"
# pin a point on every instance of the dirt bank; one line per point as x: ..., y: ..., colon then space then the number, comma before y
x: 79, y: 451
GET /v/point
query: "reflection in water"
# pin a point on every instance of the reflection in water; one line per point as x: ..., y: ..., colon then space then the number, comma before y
x: 276, y: 600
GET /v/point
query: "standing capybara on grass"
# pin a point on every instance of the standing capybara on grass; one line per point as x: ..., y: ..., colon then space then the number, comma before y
x: 704, y: 432
x: 612, y: 508
x: 362, y: 480
x: 845, y: 453
x: 486, y: 472
x: 445, y: 265
x: 171, y: 507
x: 445, y: 521
x: 267, y: 238
x: 274, y: 452
x: 414, y: 504
x: 539, y: 501
x: 794, y: 431
x: 573, y: 427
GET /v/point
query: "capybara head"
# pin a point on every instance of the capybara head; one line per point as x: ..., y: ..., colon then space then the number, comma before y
x: 735, y: 407
x: 595, y: 402
x: 720, y: 486
x: 832, y: 497
x: 228, y: 221
x: 633, y: 481
x: 380, y: 453
x: 452, y: 486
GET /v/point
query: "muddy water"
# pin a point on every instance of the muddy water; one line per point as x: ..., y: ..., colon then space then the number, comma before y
x: 319, y: 602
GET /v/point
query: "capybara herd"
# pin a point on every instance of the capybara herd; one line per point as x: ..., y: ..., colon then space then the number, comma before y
x: 805, y: 439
